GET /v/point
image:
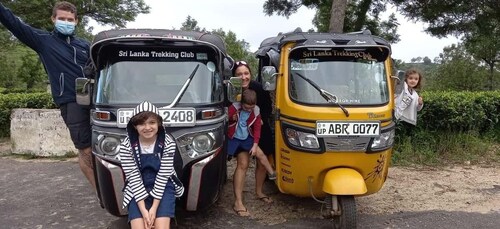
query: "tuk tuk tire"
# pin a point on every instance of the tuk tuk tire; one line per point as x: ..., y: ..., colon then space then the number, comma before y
x: 347, y: 218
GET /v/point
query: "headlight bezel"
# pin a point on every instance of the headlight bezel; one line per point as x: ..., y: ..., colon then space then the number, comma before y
x: 104, y: 138
x: 185, y: 143
x: 288, y: 128
x: 384, y: 141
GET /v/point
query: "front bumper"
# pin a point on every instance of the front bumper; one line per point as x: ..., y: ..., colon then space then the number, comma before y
x: 202, y: 179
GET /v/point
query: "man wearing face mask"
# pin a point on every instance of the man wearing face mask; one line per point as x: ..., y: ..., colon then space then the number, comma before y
x: 63, y: 56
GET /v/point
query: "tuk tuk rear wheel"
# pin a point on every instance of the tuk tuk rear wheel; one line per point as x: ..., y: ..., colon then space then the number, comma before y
x: 347, y: 217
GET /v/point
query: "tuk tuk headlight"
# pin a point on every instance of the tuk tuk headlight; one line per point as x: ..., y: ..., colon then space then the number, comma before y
x: 108, y: 145
x: 203, y: 142
x: 301, y: 139
x: 384, y: 140
x: 200, y: 144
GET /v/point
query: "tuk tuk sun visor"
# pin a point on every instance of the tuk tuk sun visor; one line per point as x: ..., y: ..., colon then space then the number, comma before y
x: 376, y: 53
x: 115, y: 54
x: 139, y: 37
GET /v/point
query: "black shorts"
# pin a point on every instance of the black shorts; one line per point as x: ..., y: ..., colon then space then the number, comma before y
x: 77, y: 119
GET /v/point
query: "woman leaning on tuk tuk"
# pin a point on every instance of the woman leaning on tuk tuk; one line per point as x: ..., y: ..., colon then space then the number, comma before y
x: 242, y: 69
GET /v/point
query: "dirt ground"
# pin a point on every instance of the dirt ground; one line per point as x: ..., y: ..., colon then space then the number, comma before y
x: 453, y: 188
x: 463, y: 188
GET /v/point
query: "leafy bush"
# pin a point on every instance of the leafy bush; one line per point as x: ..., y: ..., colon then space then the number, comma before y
x: 12, y: 101
x: 452, y: 127
x: 460, y: 111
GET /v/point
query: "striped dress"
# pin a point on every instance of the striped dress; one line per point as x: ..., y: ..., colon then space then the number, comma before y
x: 134, y: 186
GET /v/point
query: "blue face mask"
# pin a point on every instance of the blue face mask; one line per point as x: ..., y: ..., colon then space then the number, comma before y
x: 65, y: 27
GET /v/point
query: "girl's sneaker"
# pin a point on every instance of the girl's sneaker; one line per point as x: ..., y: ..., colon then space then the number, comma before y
x: 272, y: 176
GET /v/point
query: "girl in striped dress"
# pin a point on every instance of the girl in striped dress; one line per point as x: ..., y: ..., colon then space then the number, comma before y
x: 147, y: 157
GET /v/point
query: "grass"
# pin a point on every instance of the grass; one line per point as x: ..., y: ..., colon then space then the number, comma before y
x: 30, y: 156
x: 6, y: 152
x: 441, y: 148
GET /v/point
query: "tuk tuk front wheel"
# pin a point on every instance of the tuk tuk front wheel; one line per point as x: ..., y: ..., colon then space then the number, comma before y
x: 347, y: 208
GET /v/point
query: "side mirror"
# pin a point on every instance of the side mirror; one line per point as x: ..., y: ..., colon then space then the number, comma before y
x: 83, y: 90
x: 269, y: 78
x: 397, y: 82
x: 401, y: 75
x: 228, y: 67
x: 234, y: 89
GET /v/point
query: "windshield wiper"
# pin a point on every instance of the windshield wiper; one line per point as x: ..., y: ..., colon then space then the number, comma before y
x: 184, y: 88
x: 329, y: 97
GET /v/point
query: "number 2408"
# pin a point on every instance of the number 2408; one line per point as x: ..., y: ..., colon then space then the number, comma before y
x: 178, y: 116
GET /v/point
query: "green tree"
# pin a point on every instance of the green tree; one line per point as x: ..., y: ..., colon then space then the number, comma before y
x: 236, y: 48
x: 6, y: 45
x: 7, y: 74
x: 477, y: 23
x: 37, y: 13
x: 105, y: 12
x: 487, y: 49
x: 359, y: 15
x: 459, y: 71
x: 427, y: 60
x: 454, y: 17
x: 31, y: 71
x: 190, y: 24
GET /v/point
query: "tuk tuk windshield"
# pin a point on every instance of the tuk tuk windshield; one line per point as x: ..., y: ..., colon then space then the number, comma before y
x: 131, y: 82
x: 353, y: 77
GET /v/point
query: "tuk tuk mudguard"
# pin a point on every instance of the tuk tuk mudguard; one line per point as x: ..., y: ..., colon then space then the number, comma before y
x: 344, y: 181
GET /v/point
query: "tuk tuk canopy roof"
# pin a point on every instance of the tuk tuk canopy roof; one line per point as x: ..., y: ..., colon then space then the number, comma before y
x: 363, y: 38
x: 108, y: 36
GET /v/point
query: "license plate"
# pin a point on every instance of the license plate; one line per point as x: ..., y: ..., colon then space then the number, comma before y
x: 335, y: 129
x: 171, y: 116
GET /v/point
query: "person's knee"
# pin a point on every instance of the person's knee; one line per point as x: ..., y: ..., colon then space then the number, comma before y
x: 242, y: 165
x: 242, y: 162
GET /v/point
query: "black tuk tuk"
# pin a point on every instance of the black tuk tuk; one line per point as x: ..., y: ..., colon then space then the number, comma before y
x: 182, y: 73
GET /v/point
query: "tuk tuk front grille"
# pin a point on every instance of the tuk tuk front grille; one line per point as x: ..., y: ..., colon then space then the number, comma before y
x: 346, y: 144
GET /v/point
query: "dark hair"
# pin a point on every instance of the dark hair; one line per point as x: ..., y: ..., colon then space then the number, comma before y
x: 64, y: 6
x: 249, y: 97
x: 412, y: 71
x: 240, y: 63
x: 142, y: 117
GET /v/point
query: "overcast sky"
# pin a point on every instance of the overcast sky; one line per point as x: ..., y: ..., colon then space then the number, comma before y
x: 247, y: 19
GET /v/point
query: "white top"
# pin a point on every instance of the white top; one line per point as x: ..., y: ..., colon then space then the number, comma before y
x: 407, y: 105
x: 147, y: 149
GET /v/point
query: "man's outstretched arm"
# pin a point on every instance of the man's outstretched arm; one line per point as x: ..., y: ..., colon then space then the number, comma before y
x: 25, y: 33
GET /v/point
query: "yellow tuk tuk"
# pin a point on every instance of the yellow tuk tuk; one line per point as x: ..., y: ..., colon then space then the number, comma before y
x: 333, y: 116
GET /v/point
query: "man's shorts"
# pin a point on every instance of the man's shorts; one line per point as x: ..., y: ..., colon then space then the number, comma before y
x: 77, y: 119
x: 234, y: 145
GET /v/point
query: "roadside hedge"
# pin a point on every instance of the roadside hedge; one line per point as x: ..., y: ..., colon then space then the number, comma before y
x: 460, y: 111
x: 8, y: 102
x: 443, y: 111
